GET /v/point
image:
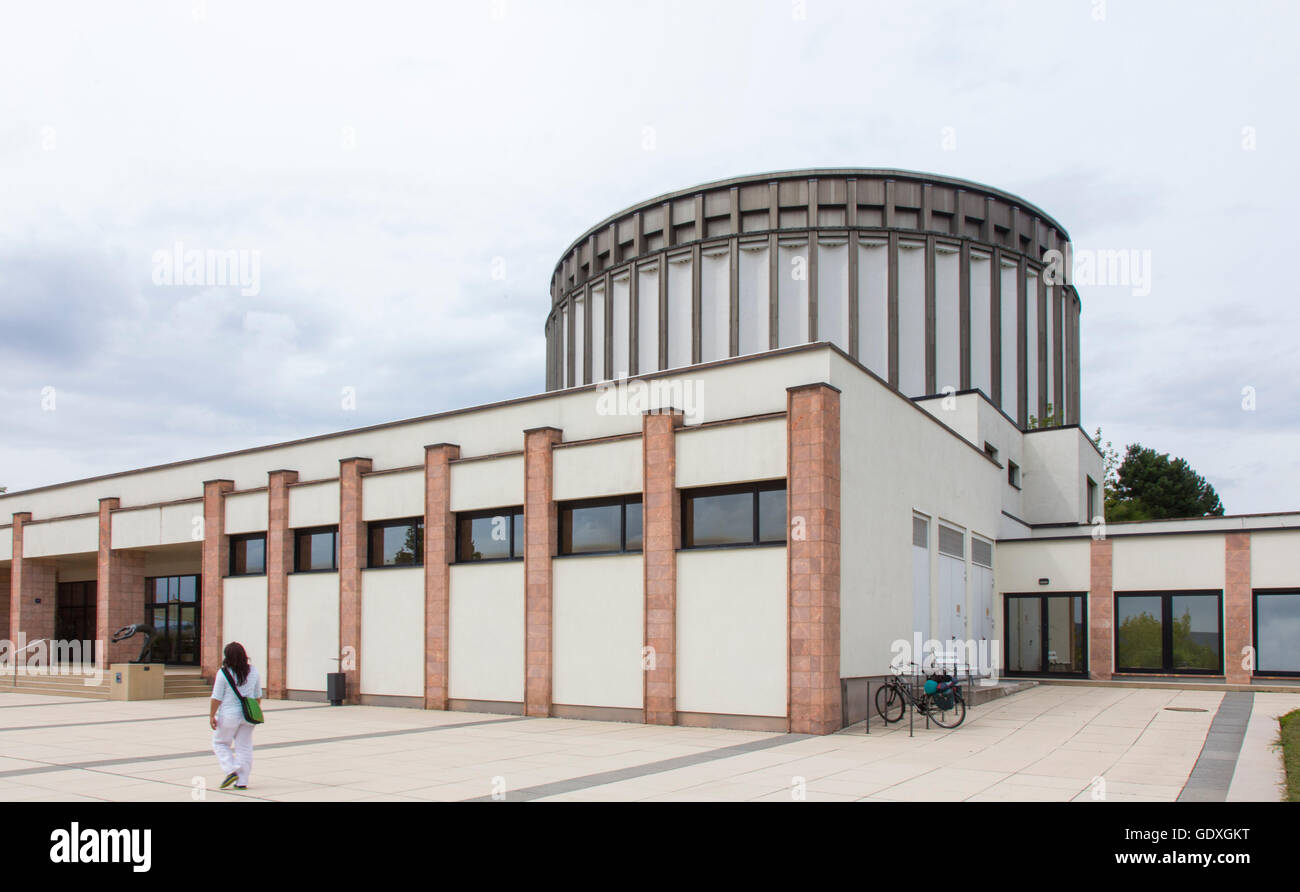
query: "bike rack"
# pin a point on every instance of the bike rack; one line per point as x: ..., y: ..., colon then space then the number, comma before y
x: 916, y: 682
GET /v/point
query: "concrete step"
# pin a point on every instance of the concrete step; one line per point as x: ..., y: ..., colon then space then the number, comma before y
x: 182, y: 684
x: 978, y: 694
x: 56, y: 686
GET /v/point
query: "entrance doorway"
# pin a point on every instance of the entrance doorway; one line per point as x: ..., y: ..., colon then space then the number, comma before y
x: 75, y: 614
x: 1046, y: 634
x: 172, y: 607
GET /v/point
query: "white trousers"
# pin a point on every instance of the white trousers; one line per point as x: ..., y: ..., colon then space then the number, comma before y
x: 233, y: 730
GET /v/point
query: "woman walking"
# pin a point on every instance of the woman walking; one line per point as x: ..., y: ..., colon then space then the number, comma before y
x: 229, y: 728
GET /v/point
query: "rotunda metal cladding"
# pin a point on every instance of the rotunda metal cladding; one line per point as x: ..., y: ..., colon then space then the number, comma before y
x: 934, y: 284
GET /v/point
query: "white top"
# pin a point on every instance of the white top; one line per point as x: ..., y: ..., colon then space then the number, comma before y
x: 221, y: 690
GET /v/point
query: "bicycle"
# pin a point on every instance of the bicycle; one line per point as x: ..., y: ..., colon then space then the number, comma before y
x: 945, y: 705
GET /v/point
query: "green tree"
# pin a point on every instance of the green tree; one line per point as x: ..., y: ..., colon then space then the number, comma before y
x: 1151, y: 485
x: 1053, y: 418
x: 1110, y: 469
x: 1140, y: 642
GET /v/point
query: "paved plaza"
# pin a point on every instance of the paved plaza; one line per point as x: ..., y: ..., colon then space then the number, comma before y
x: 1050, y: 743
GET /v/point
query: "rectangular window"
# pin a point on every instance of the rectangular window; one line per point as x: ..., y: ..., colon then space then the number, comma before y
x: 1092, y: 500
x: 172, y: 607
x: 947, y: 317
x: 833, y: 292
x: 1013, y: 474
x: 792, y: 294
x: 1031, y: 345
x: 601, y: 526
x: 722, y: 516
x: 911, y: 318
x: 1008, y: 400
x: 1046, y: 634
x: 990, y: 450
x: 1169, y: 632
x: 715, y: 304
x: 598, y: 333
x: 1277, y: 632
x: 316, y: 549
x: 248, y: 555
x: 755, y: 304
x: 680, y: 301
x: 981, y: 323
x: 620, y: 319
x: 396, y: 543
x: 873, y: 306
x: 496, y: 535
x: 647, y: 319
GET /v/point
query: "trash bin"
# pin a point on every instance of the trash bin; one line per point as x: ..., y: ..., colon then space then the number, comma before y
x: 336, y: 687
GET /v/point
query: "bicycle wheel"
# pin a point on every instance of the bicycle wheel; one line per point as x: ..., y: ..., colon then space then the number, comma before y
x: 947, y: 718
x: 889, y: 703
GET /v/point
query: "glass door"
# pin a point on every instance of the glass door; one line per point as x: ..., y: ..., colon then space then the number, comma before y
x: 173, y: 610
x: 75, y: 615
x: 1046, y: 634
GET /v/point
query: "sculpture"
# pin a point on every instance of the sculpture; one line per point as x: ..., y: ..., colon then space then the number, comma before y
x: 144, y: 629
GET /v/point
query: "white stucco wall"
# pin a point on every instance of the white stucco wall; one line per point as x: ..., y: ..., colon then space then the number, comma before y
x: 728, y: 391
x: 246, y: 512
x: 731, y: 631
x: 1275, y: 559
x: 487, y: 632
x: 592, y: 470
x: 243, y: 617
x: 1019, y: 566
x: 487, y: 483
x: 313, y: 630
x: 896, y: 460
x: 392, y: 631
x: 314, y: 504
x: 599, y: 631
x: 1050, y: 477
x: 961, y: 413
x: 393, y: 496
x: 159, y: 525
x: 73, y: 536
x: 731, y: 453
x: 1143, y: 563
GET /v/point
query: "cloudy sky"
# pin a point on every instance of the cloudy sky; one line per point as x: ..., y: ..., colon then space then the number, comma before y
x: 379, y: 160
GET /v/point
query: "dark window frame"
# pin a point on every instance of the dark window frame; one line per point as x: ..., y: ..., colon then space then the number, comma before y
x: 516, y: 553
x: 756, y: 541
x: 162, y: 641
x: 1013, y: 473
x: 1166, y: 632
x: 623, y: 502
x: 310, y: 531
x: 245, y: 537
x: 1254, y: 631
x: 1043, y: 618
x: 374, y: 525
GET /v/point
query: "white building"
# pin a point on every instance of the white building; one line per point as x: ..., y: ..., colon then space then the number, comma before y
x: 824, y: 438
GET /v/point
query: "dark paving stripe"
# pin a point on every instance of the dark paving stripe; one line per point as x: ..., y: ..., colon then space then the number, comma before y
x: 61, y: 701
x: 1212, y: 775
x: 621, y: 774
x: 166, y: 757
x: 160, y: 718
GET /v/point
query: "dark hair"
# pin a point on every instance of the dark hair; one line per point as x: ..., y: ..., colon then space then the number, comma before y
x: 236, y: 661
